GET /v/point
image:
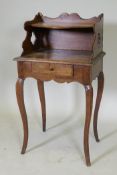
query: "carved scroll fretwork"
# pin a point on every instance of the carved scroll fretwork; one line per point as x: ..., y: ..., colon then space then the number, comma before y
x: 27, y: 44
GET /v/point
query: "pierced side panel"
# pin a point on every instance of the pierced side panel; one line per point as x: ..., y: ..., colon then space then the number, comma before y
x: 98, y: 42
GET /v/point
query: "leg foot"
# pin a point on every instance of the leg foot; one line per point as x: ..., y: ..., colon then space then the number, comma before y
x: 98, y: 100
x: 20, y: 101
x: 42, y: 100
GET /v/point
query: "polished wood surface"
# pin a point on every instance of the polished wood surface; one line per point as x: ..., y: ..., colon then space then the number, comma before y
x: 66, y: 49
x: 60, y: 56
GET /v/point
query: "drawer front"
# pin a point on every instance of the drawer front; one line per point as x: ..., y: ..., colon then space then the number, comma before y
x: 55, y: 70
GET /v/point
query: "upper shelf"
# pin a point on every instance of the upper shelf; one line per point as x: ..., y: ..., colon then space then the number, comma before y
x: 53, y: 25
x: 64, y: 21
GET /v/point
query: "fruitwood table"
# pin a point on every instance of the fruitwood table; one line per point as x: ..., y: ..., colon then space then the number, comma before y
x: 66, y: 49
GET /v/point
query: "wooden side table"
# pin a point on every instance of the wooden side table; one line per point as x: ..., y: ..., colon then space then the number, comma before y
x: 66, y: 49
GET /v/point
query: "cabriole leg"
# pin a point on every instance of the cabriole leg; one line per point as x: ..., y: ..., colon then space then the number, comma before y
x: 42, y: 100
x: 98, y: 100
x: 20, y: 100
x: 89, y: 102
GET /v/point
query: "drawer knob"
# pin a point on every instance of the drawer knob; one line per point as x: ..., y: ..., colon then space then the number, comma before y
x: 51, y: 69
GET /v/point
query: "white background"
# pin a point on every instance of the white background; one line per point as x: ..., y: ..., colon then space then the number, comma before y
x: 63, y: 101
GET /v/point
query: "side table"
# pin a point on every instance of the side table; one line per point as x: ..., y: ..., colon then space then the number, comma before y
x: 66, y: 49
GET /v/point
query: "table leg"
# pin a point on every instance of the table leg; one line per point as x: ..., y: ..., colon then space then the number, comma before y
x: 20, y: 100
x: 89, y: 102
x: 42, y: 100
x: 98, y: 100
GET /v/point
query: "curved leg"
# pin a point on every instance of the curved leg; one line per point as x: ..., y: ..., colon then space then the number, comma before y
x: 98, y: 100
x: 89, y: 102
x: 42, y: 100
x: 20, y: 100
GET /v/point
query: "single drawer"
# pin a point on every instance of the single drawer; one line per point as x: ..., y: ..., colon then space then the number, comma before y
x: 56, y: 70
